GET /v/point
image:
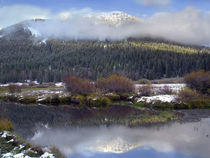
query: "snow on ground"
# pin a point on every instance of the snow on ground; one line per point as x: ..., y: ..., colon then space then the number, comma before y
x: 60, y: 84
x: 18, y: 151
x: 47, y: 155
x: 4, y: 134
x: 4, y: 85
x: 20, y: 83
x: 7, y: 155
x: 156, y: 87
x: 162, y: 98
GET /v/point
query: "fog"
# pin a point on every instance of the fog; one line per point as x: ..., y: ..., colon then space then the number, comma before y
x: 190, y: 26
x: 189, y: 138
x: 84, y: 28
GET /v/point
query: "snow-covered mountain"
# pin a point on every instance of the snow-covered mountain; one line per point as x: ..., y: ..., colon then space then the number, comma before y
x: 103, y: 25
x: 116, y: 18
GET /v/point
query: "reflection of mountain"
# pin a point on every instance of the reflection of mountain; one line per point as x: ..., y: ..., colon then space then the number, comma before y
x: 114, y: 146
x: 186, y: 139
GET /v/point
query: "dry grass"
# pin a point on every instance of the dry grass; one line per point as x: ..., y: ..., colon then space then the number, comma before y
x: 6, y: 125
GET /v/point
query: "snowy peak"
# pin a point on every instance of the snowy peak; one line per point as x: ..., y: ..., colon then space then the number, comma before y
x: 96, y: 26
x: 116, y: 18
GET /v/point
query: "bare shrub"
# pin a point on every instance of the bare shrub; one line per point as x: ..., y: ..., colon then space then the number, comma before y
x: 115, y: 83
x: 187, y: 94
x: 145, y: 90
x: 144, y: 81
x: 14, y: 88
x: 199, y: 80
x: 38, y: 149
x: 56, y: 152
x: 76, y: 85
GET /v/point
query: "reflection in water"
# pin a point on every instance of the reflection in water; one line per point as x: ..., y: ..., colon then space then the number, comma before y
x: 189, y: 140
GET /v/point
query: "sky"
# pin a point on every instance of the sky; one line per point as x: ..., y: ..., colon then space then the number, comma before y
x: 12, y: 11
x: 185, y: 21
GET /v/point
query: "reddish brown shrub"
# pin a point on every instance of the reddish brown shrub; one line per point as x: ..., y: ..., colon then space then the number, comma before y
x: 199, y: 80
x: 115, y: 83
x: 14, y: 88
x: 187, y: 95
x: 77, y: 85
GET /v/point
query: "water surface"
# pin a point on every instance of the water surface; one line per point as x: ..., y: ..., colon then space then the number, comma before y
x: 186, y: 140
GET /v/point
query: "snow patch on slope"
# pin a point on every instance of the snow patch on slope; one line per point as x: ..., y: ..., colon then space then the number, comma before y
x: 34, y: 32
x: 116, y: 18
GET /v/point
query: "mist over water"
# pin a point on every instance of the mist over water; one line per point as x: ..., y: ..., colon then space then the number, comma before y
x: 183, y: 140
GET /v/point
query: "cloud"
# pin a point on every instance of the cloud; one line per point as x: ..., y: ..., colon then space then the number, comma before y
x: 73, y: 12
x: 13, y: 14
x: 163, y: 139
x: 190, y: 26
x: 187, y: 26
x: 154, y: 2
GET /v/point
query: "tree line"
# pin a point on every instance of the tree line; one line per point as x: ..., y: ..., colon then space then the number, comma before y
x: 22, y: 60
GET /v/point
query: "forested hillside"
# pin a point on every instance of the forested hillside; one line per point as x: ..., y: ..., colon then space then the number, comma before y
x: 22, y: 59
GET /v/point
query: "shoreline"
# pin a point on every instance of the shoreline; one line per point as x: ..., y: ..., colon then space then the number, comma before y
x: 29, y: 118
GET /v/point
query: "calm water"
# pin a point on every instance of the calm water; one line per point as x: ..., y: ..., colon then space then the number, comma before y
x: 188, y: 140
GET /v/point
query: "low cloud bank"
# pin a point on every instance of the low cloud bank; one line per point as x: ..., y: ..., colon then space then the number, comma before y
x: 189, y: 26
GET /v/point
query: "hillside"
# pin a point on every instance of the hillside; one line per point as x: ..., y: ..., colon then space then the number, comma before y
x: 25, y: 54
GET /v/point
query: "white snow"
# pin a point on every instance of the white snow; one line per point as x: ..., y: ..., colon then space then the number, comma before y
x: 94, y: 99
x: 4, y: 85
x: 12, y: 140
x: 8, y: 155
x: 47, y: 155
x: 20, y: 155
x: 18, y: 84
x: 157, y: 87
x: 60, y: 84
x: 162, y: 98
x: 5, y: 134
x: 44, y: 41
x: 116, y: 18
x: 34, y: 32
x: 1, y: 36
x: 21, y: 146
x: 36, y: 82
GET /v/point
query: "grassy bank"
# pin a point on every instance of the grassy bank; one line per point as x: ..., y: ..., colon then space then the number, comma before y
x: 12, y: 145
